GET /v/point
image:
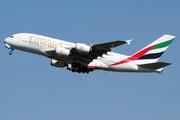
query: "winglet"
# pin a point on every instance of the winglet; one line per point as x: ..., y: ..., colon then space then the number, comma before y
x: 128, y: 41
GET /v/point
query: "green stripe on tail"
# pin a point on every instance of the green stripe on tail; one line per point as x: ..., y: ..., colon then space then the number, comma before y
x: 164, y: 44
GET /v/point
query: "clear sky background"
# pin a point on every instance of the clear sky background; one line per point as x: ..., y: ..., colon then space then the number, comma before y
x: 31, y: 89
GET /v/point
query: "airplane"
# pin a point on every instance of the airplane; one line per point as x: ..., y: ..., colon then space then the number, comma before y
x: 83, y: 58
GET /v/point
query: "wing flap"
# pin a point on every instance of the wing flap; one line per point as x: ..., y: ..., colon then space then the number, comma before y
x: 155, y: 65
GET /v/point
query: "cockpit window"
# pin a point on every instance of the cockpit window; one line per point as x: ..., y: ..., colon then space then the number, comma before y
x: 12, y: 36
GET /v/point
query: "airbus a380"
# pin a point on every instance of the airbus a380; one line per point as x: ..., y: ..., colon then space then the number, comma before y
x: 83, y: 58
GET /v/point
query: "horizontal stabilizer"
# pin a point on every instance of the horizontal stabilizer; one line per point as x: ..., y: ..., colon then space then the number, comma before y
x: 155, y: 65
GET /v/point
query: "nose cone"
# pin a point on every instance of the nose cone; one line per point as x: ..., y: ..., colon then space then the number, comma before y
x: 6, y: 43
x: 6, y: 40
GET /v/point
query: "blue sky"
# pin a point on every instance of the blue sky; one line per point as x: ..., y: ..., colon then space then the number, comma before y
x: 30, y: 88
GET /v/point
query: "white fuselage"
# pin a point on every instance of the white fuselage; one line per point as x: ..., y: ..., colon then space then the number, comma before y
x: 42, y: 45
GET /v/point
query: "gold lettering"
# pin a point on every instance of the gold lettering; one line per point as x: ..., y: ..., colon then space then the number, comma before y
x: 56, y: 44
x: 42, y: 42
x: 53, y: 44
x: 35, y: 40
x: 49, y: 44
x: 45, y: 42
x: 38, y: 41
x: 30, y: 40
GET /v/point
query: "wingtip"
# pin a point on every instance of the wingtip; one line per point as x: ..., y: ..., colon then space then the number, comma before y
x: 129, y: 41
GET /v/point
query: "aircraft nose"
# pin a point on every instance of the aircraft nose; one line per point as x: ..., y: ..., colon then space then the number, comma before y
x: 5, y: 41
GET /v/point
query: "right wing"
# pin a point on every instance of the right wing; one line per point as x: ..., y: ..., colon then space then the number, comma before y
x: 112, y: 44
x: 99, y: 49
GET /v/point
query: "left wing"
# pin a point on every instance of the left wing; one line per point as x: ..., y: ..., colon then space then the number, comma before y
x: 97, y: 50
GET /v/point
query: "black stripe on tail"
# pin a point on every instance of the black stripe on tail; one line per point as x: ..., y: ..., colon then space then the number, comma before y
x: 151, y: 56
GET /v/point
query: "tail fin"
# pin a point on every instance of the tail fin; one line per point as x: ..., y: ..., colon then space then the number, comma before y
x: 153, y: 51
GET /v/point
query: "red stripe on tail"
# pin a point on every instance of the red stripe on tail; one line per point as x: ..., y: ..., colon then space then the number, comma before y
x: 135, y: 56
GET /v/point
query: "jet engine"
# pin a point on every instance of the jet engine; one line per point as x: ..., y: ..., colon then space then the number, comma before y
x: 83, y: 48
x: 57, y: 63
x: 62, y: 51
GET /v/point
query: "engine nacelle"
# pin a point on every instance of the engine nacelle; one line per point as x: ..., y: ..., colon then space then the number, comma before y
x: 62, y: 51
x: 57, y: 63
x: 83, y: 48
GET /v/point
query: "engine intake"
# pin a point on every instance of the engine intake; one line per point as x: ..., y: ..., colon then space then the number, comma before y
x: 62, y: 51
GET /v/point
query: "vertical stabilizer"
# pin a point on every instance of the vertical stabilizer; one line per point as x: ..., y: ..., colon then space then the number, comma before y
x: 153, y: 51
